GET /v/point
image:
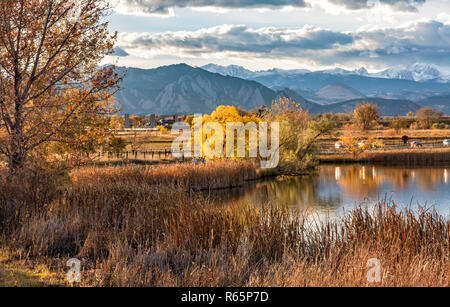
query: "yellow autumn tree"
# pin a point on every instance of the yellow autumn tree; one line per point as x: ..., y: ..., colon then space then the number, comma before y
x: 231, y: 115
x: 298, y: 134
x: 136, y: 121
x: 84, y: 131
x: 116, y: 122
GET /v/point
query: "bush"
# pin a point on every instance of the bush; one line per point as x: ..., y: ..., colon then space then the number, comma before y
x: 438, y: 126
x: 116, y: 144
x: 426, y: 117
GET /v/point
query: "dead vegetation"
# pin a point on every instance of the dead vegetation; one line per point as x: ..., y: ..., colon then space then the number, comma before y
x: 145, y: 227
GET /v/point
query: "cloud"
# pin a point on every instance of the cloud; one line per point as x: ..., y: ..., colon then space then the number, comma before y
x: 164, y: 7
x: 399, y: 5
x: 421, y: 41
x: 236, y: 38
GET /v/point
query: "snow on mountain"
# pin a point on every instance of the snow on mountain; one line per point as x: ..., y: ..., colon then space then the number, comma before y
x: 241, y: 72
x: 417, y: 72
x: 182, y: 89
x: 339, y: 71
x: 231, y: 70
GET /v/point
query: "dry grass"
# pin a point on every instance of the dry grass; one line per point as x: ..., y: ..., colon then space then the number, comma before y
x: 133, y: 227
x: 424, y: 156
x: 147, y: 141
x: 212, y: 175
x: 17, y: 272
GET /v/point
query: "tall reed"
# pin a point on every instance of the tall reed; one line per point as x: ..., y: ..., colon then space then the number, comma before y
x: 219, y: 174
x: 133, y: 227
x: 398, y: 157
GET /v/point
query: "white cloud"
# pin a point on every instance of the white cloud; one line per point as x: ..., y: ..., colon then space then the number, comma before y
x: 444, y: 17
x: 420, y: 41
x: 164, y: 7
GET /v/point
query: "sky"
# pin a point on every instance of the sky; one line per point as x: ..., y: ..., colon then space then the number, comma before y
x: 285, y: 34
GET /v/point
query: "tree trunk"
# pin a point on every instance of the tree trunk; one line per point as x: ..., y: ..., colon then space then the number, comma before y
x: 16, y: 159
x: 15, y: 163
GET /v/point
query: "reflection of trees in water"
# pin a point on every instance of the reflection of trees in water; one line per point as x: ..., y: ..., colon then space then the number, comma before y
x: 366, y: 180
x: 302, y: 192
x: 230, y: 195
x: 322, y: 192
x: 355, y: 180
x: 429, y: 178
x: 425, y: 179
x: 289, y: 191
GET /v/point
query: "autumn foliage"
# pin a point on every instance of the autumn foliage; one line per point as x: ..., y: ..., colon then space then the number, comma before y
x: 51, y: 89
x: 366, y: 115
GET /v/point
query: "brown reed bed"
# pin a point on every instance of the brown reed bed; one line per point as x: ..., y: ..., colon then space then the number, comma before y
x: 211, y: 175
x: 435, y: 156
x: 133, y: 232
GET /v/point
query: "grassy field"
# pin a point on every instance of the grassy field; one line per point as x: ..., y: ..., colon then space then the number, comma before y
x: 140, y: 226
x: 147, y: 141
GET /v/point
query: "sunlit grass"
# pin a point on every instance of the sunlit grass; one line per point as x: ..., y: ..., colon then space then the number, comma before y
x: 407, y: 156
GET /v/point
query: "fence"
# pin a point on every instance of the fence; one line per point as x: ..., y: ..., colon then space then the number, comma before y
x: 148, y: 155
x: 329, y: 149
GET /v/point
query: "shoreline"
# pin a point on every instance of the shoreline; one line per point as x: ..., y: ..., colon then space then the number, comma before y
x: 406, y: 157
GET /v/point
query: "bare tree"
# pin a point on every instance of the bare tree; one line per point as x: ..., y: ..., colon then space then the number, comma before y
x: 427, y: 116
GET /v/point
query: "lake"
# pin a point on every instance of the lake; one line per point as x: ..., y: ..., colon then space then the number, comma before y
x: 338, y: 187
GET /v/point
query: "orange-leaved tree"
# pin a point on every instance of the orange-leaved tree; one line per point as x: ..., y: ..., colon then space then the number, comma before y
x: 51, y: 89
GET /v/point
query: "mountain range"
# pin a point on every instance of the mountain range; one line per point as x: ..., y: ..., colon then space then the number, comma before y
x: 394, y: 83
x: 418, y: 72
x: 182, y: 89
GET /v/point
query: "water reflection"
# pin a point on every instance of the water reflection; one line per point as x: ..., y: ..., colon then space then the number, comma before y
x: 344, y: 186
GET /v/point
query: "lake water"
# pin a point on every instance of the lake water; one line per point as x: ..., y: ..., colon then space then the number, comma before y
x: 339, y: 187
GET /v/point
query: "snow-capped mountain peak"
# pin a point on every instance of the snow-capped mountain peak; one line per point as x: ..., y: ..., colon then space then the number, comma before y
x: 241, y: 72
x: 419, y: 72
x: 362, y: 71
x: 230, y: 70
